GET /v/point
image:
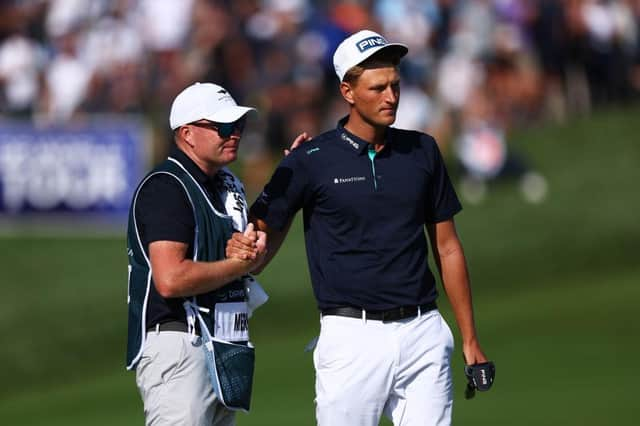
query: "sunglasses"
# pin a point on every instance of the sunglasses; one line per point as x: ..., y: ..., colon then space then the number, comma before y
x: 225, y: 130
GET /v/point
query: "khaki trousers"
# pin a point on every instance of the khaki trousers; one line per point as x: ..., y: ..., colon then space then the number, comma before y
x: 174, y: 383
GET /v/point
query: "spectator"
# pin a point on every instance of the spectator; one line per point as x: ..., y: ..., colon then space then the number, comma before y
x: 67, y: 79
x: 538, y: 60
x: 21, y: 60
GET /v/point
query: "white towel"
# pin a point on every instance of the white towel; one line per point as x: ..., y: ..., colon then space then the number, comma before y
x: 235, y: 202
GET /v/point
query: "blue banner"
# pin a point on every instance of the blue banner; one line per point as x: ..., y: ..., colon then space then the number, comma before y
x: 89, y: 168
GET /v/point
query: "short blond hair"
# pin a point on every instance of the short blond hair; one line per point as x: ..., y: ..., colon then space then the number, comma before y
x: 383, y: 58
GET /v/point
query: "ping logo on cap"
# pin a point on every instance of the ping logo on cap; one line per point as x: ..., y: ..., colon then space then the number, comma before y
x: 370, y: 42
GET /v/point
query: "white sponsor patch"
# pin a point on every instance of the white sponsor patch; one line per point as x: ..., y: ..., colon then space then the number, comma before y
x: 231, y: 321
x: 351, y: 179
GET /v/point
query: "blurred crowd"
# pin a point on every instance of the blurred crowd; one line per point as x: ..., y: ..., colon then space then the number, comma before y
x: 476, y: 69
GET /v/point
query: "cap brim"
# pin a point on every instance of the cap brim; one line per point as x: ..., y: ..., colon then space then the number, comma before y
x: 399, y: 48
x: 229, y: 115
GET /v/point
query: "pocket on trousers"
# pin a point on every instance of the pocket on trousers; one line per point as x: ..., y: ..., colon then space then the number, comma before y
x: 163, y: 355
x: 335, y: 344
x: 447, y: 334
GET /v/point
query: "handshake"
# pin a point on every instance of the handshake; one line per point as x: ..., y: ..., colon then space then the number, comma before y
x: 249, y: 247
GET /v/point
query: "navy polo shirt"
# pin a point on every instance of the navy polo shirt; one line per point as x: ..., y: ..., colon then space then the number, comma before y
x: 364, y: 215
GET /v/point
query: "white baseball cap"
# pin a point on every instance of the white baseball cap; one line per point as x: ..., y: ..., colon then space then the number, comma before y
x: 360, y: 46
x: 205, y: 101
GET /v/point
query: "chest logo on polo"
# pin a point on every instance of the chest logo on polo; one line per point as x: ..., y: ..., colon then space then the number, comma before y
x: 351, y: 179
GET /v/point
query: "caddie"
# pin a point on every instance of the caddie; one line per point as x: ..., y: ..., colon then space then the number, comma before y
x: 188, y: 337
x: 367, y: 192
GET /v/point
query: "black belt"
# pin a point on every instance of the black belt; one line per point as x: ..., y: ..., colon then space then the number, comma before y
x: 171, y: 326
x: 181, y: 326
x: 388, y: 315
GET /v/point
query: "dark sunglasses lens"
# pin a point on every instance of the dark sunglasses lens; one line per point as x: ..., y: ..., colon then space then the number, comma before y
x: 227, y: 129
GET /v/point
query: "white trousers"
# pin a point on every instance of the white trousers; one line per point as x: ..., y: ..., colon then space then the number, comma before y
x: 174, y: 383
x: 367, y: 368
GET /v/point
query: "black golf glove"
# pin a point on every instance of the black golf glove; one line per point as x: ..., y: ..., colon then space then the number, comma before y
x: 480, y: 377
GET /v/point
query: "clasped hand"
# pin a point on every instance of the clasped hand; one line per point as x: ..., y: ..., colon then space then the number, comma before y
x: 250, y: 246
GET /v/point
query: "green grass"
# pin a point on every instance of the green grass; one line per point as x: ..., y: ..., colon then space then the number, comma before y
x: 555, y: 289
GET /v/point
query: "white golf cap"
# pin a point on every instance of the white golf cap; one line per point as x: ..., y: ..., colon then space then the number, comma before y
x: 205, y: 101
x: 360, y: 46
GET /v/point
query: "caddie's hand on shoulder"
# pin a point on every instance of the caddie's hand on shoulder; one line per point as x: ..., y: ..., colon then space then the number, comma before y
x: 299, y: 140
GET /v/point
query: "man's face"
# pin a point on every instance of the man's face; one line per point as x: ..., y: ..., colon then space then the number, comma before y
x: 375, y: 95
x: 213, y: 144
